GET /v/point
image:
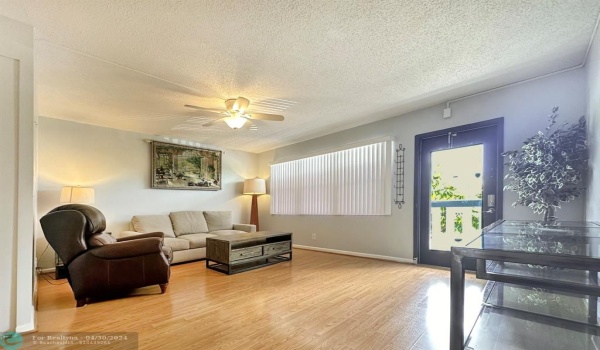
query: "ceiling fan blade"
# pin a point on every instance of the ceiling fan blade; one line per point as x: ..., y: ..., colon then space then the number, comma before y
x: 214, y: 110
x: 252, y: 126
x: 265, y: 116
x: 213, y: 122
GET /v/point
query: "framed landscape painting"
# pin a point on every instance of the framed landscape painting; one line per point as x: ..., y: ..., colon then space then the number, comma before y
x: 178, y: 167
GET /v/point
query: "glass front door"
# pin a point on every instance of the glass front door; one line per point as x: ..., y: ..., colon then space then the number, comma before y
x: 455, y: 201
x: 459, y: 188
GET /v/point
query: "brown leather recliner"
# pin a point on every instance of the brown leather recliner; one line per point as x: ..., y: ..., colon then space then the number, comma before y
x: 99, y: 265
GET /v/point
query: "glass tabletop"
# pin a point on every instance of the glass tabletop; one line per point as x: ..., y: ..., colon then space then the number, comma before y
x: 568, y: 237
x: 567, y: 306
x: 530, y: 223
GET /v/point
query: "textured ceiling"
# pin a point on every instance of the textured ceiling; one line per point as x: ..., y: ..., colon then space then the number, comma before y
x: 132, y: 65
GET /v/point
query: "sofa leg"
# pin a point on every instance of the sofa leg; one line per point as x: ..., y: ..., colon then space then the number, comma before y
x: 163, y: 288
x: 81, y: 302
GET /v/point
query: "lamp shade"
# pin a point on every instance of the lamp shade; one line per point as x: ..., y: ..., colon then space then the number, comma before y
x: 255, y: 186
x: 78, y: 195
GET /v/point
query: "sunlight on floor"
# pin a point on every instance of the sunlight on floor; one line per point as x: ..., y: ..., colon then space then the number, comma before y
x: 438, y: 314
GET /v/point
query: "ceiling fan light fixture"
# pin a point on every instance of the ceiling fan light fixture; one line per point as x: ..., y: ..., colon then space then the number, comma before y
x: 235, y: 122
x: 237, y: 105
x: 236, y: 114
x: 241, y: 104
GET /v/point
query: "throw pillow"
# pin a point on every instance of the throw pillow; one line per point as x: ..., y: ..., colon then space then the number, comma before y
x: 153, y: 223
x: 218, y: 220
x: 186, y: 222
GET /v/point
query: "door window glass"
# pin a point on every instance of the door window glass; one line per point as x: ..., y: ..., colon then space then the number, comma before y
x: 455, y: 197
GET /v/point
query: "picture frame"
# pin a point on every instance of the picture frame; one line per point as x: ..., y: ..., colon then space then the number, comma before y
x: 179, y: 167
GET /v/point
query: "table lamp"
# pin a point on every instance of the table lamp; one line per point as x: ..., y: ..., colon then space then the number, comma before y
x: 77, y: 195
x: 254, y: 187
x: 71, y: 195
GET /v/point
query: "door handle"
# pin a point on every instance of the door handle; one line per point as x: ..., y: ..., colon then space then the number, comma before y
x: 490, y: 211
x: 491, y: 200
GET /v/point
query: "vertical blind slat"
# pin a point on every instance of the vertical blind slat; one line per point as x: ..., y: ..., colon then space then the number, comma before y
x: 348, y: 182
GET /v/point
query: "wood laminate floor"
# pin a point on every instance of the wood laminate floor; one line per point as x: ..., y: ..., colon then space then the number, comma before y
x: 316, y: 301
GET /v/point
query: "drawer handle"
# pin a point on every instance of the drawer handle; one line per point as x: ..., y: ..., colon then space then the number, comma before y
x: 247, y: 253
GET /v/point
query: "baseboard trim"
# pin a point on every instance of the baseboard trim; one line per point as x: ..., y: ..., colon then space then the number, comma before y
x: 361, y: 255
x: 28, y: 327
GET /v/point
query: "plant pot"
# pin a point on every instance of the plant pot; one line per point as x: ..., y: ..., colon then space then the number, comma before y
x: 549, y: 215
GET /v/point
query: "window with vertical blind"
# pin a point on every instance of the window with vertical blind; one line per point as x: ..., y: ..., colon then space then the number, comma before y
x: 352, y: 181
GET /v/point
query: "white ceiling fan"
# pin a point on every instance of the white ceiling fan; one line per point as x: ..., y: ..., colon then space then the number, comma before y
x: 236, y: 114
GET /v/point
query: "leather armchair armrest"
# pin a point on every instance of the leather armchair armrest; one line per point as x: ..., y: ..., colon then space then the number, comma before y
x: 128, y: 234
x: 244, y: 227
x: 129, y: 249
x: 141, y: 235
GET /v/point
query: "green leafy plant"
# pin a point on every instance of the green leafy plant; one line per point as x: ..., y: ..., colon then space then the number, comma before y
x: 441, y: 191
x: 476, y: 214
x: 196, y: 162
x: 550, y: 167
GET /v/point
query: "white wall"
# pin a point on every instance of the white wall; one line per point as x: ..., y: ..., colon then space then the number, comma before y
x: 593, y: 112
x: 117, y: 164
x: 17, y: 195
x: 525, y: 108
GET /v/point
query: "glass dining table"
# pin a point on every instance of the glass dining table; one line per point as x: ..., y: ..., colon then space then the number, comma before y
x: 542, y: 290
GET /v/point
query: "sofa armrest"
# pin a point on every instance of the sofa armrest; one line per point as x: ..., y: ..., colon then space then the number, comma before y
x: 138, y: 235
x: 244, y: 227
x: 129, y: 249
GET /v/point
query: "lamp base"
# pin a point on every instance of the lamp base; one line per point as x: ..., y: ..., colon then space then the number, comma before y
x: 254, y: 212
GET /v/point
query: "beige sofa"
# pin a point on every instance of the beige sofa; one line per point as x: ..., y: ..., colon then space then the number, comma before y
x: 186, y: 231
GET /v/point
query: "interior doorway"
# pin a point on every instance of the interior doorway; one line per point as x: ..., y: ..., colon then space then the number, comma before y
x: 458, y: 187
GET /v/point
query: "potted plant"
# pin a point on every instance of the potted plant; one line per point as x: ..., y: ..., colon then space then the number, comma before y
x: 549, y: 168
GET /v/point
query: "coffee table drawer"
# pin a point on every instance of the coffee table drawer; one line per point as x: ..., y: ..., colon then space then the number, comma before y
x: 246, y: 253
x: 277, y: 248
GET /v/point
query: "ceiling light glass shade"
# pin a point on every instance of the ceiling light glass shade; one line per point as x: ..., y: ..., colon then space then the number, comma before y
x: 235, y: 122
x: 77, y: 195
x: 255, y: 186
x: 229, y: 105
x: 241, y: 104
x: 237, y: 105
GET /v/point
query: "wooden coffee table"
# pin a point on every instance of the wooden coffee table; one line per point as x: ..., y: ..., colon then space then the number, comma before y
x: 247, y: 251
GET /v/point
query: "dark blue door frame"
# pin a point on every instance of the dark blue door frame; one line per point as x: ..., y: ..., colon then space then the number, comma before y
x: 491, y: 134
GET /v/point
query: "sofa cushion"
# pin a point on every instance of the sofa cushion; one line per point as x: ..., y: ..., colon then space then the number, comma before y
x: 153, y: 223
x: 186, y: 222
x: 100, y: 239
x: 197, y: 240
x: 227, y: 232
x: 177, y: 243
x: 218, y: 220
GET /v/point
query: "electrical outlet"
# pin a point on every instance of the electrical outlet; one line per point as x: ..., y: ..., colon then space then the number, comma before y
x: 314, y: 236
